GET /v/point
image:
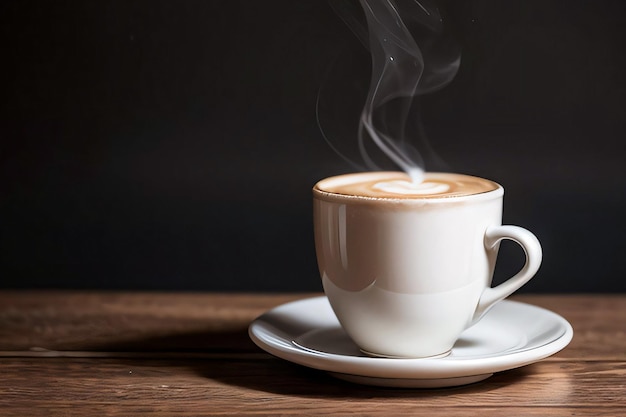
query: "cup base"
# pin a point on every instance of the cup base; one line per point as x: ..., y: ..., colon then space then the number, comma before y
x: 378, y: 355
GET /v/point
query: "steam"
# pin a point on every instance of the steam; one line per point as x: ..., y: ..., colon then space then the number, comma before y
x: 411, y: 55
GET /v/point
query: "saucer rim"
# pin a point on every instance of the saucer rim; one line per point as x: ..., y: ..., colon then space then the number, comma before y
x: 409, y: 369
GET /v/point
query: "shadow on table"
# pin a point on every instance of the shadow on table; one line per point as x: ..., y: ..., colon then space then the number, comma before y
x: 280, y: 377
x: 231, y: 358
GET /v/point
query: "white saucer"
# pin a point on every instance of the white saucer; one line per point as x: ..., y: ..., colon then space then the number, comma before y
x: 511, y: 335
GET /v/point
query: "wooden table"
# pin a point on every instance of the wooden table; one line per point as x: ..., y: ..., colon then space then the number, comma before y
x: 109, y: 353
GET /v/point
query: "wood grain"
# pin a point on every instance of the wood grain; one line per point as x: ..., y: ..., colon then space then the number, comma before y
x: 274, y: 387
x: 201, y: 323
x: 89, y: 353
x: 114, y: 322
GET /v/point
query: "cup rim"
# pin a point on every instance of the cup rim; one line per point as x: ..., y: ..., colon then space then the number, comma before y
x: 318, y: 192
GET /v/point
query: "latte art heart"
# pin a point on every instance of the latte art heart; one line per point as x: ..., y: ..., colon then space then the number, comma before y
x: 410, y: 188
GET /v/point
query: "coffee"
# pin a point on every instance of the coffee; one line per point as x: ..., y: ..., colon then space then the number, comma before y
x: 398, y: 185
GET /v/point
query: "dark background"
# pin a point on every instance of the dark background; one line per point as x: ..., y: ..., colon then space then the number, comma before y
x: 173, y: 144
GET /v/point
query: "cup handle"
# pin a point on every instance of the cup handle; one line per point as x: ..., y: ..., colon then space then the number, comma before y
x: 532, y: 249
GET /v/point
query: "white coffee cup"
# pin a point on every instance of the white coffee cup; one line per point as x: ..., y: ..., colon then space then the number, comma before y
x: 407, y: 268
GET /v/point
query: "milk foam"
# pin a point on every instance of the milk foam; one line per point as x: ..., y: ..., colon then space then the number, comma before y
x: 398, y: 185
x: 411, y: 188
